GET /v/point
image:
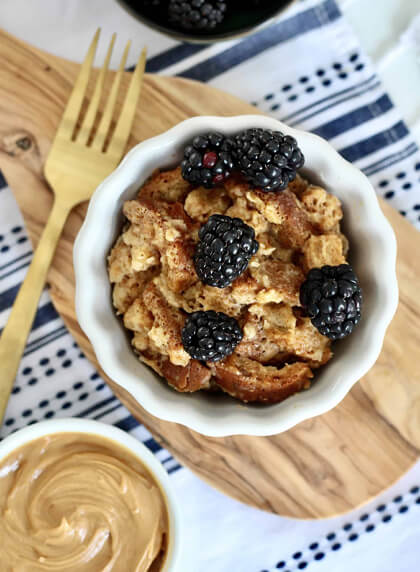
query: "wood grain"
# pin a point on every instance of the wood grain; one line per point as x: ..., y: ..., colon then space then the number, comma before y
x: 324, y: 466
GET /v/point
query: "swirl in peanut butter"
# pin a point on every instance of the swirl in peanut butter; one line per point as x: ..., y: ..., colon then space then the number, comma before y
x: 79, y: 503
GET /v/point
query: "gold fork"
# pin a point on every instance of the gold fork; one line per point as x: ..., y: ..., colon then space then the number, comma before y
x: 74, y: 168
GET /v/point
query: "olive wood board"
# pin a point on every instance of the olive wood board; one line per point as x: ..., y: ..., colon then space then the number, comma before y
x: 323, y: 467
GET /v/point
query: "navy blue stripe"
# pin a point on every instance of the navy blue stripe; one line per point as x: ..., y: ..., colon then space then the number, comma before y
x: 152, y: 445
x: 45, y: 340
x: 267, y: 38
x: 44, y: 314
x: 15, y: 260
x: 390, y: 160
x: 44, y: 337
x: 329, y: 97
x: 110, y: 410
x: 354, y: 118
x: 7, y: 297
x: 173, y: 469
x: 168, y: 458
x: 127, y: 424
x: 48, y: 341
x: 172, y: 56
x: 97, y: 406
x: 391, y: 163
x: 2, y: 181
x: 24, y: 265
x: 375, y: 142
x: 334, y: 104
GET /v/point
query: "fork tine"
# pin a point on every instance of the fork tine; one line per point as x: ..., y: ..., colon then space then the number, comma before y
x: 125, y: 121
x: 90, y: 116
x: 71, y: 113
x: 105, y: 122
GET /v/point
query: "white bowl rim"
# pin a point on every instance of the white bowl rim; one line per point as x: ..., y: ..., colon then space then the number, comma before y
x: 271, y: 424
x: 89, y: 427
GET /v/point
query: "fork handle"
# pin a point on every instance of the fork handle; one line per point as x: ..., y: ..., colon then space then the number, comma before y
x: 16, y: 331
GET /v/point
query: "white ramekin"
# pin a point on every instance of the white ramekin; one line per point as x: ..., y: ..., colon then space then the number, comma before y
x: 372, y: 253
x: 88, y: 427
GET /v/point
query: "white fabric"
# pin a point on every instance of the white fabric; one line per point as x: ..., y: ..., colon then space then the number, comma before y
x: 223, y: 535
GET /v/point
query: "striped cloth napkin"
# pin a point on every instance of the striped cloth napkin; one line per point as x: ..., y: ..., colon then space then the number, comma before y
x: 308, y: 70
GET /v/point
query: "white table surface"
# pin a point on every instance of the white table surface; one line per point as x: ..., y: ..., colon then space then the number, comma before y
x: 68, y: 31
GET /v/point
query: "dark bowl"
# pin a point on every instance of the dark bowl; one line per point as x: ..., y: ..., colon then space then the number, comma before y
x: 243, y: 17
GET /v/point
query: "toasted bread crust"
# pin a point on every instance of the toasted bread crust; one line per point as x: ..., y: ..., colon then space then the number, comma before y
x: 248, y: 380
x: 190, y: 378
x: 167, y: 325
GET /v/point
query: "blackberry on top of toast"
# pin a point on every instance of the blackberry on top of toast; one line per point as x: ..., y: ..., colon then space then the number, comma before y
x: 207, y: 160
x: 224, y: 249
x: 267, y: 159
x: 332, y: 298
x: 210, y: 336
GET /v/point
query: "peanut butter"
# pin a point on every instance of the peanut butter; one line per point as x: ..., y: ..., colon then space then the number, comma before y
x: 79, y: 503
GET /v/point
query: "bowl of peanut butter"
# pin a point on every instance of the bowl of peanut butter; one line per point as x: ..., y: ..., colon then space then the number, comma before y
x: 81, y: 496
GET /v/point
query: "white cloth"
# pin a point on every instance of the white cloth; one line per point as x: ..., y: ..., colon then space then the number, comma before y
x: 308, y: 70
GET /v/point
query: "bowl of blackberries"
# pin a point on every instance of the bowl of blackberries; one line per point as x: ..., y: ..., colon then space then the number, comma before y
x: 205, y: 21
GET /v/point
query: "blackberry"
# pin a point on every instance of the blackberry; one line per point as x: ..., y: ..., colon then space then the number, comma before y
x: 225, y: 247
x: 207, y: 160
x: 210, y: 336
x: 196, y: 14
x: 332, y: 298
x: 267, y: 159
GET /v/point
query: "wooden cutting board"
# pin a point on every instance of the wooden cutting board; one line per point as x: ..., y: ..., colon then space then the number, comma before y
x: 322, y: 467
